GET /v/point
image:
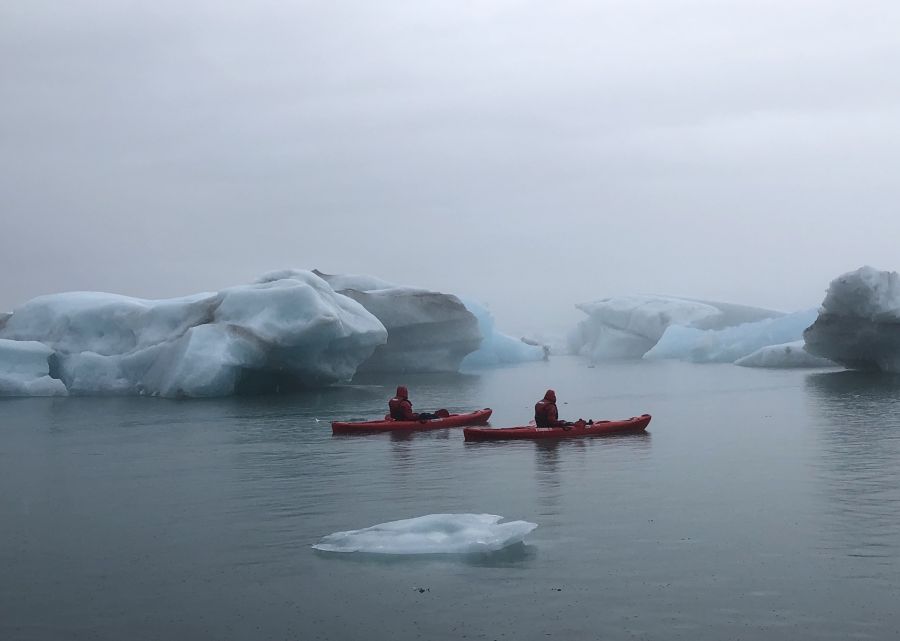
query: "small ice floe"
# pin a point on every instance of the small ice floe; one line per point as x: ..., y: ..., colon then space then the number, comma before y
x: 431, y: 534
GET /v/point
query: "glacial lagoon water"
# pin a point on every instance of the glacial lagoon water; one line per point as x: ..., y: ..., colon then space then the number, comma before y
x: 759, y: 505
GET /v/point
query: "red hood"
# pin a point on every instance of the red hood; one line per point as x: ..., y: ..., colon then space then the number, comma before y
x: 402, y: 392
x: 550, y: 396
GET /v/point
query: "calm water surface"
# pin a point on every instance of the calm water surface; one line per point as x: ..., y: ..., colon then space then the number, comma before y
x: 760, y: 505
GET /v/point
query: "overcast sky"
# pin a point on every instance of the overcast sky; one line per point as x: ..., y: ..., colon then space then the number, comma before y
x: 530, y: 154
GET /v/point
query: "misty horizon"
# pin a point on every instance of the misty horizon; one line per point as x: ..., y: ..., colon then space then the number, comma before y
x: 527, y: 156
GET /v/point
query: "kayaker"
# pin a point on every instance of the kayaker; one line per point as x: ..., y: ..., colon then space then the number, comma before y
x: 401, y: 407
x: 546, y: 414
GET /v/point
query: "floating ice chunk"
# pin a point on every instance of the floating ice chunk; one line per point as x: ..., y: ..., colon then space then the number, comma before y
x: 729, y: 344
x: 629, y: 326
x: 25, y: 370
x: 859, y: 322
x: 787, y: 355
x: 431, y: 534
x: 496, y: 347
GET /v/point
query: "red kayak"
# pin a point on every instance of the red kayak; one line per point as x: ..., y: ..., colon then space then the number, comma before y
x: 579, y: 429
x: 478, y: 417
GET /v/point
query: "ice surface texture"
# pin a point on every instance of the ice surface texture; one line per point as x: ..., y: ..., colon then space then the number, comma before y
x: 291, y: 331
x: 25, y: 370
x: 630, y: 326
x: 787, y: 355
x: 859, y: 322
x: 431, y: 534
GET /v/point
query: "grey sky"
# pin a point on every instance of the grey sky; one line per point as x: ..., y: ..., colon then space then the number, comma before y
x: 740, y: 151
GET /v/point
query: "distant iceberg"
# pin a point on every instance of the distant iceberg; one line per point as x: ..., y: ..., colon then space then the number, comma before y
x: 785, y: 356
x: 729, y: 344
x: 496, y: 347
x: 627, y: 327
x: 859, y: 322
x: 431, y: 534
x: 284, y: 332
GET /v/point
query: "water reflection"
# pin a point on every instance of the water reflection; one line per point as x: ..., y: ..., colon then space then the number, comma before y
x: 546, y: 467
x: 511, y: 555
x: 860, y: 460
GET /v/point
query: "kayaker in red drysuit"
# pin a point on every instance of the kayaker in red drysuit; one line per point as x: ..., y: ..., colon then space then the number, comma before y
x: 401, y: 408
x: 546, y: 414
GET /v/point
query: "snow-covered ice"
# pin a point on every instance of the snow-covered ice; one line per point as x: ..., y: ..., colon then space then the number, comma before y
x: 25, y: 370
x: 784, y: 356
x: 859, y: 321
x: 431, y: 534
x: 729, y: 344
x: 290, y: 331
x: 496, y: 347
x: 428, y: 331
x: 630, y: 326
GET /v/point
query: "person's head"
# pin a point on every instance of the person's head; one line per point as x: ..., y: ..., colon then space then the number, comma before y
x: 550, y: 396
x: 402, y: 392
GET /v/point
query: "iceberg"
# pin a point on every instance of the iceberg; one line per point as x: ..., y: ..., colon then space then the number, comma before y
x: 787, y: 355
x: 729, y: 344
x: 291, y: 331
x: 25, y: 370
x: 431, y: 534
x: 627, y: 327
x: 858, y: 325
x: 496, y: 347
x: 427, y: 331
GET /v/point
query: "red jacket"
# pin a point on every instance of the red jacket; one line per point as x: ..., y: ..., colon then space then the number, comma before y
x: 401, y: 408
x: 545, y: 411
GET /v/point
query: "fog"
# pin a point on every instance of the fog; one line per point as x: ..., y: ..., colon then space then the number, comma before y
x: 529, y: 154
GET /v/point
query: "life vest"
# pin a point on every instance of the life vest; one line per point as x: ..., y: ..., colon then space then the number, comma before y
x: 401, y: 409
x: 545, y: 413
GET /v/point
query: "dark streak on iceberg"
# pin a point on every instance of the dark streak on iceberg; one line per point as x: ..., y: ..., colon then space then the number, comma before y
x: 859, y: 323
x: 427, y: 331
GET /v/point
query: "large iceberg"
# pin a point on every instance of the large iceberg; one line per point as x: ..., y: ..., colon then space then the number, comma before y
x: 729, y: 344
x: 431, y: 534
x: 785, y: 356
x: 427, y: 331
x: 627, y: 327
x: 292, y: 331
x: 496, y: 347
x: 859, y: 321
